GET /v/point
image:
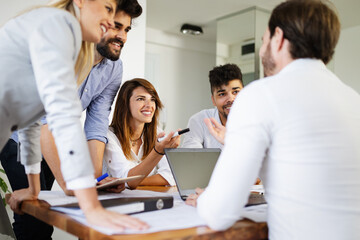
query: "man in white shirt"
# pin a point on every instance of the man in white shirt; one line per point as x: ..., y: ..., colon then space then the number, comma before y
x: 226, y: 83
x: 300, y: 128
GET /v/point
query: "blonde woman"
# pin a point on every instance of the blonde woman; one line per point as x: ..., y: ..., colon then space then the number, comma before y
x: 133, y: 148
x: 41, y: 59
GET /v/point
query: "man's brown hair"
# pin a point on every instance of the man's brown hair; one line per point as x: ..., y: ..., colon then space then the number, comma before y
x: 311, y: 26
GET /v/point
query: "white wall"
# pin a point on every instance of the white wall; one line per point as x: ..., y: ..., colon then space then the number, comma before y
x: 178, y: 67
x: 11, y: 8
x: 133, y: 54
x: 346, y: 60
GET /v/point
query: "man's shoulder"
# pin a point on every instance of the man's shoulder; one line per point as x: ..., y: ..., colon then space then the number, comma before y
x: 116, y: 63
x: 109, y: 71
x: 111, y: 66
x: 198, y: 118
x: 206, y: 113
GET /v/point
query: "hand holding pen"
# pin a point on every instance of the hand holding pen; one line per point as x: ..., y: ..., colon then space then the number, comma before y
x: 179, y: 132
x: 105, y: 178
x: 101, y: 177
x: 172, y: 140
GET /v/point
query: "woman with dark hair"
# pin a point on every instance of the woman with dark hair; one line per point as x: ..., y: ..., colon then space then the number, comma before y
x: 132, y: 147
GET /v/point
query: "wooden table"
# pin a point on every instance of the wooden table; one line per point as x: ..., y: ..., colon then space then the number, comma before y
x: 243, y: 229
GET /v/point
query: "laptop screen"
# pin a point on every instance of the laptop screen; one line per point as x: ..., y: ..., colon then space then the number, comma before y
x: 192, y: 167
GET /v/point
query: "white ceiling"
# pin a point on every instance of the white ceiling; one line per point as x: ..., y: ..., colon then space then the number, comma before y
x: 169, y: 15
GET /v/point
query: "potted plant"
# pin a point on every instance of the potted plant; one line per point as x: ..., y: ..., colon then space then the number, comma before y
x: 3, y: 186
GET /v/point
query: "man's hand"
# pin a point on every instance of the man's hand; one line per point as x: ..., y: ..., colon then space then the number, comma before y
x: 216, y: 129
x: 116, y: 189
x: 16, y: 198
x: 192, y: 198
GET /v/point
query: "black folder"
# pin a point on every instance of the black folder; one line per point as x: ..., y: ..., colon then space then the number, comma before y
x: 255, y: 199
x: 134, y: 205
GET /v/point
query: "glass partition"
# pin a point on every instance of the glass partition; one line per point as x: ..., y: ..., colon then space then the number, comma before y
x: 239, y: 40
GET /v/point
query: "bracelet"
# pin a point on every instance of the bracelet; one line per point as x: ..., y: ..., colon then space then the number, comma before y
x: 158, y: 152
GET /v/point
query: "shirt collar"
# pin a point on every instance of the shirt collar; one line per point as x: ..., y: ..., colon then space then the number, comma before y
x: 302, y: 63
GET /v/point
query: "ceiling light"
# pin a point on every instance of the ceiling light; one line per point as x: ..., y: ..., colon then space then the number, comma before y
x: 191, y: 29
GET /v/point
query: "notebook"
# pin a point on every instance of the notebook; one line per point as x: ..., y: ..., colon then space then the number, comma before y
x: 118, y: 181
x: 191, y: 167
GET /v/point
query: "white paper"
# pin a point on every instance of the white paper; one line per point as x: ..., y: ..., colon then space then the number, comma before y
x: 179, y: 217
x: 257, y: 213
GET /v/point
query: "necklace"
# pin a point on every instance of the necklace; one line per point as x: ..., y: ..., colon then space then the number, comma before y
x: 133, y: 142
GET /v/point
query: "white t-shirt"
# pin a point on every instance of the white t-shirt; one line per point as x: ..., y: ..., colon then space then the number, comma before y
x: 117, y: 165
x: 301, y: 130
x: 199, y: 135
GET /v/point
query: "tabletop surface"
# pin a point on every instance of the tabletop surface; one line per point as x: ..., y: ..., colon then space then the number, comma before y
x: 244, y: 229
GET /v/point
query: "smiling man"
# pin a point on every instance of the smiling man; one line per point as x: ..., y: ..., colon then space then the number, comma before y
x: 226, y: 83
x: 96, y: 93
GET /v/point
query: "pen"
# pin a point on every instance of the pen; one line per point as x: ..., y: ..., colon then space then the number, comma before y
x: 101, y: 177
x: 176, y: 134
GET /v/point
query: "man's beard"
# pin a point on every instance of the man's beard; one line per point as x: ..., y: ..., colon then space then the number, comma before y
x: 268, y: 62
x: 104, y: 49
x: 223, y: 113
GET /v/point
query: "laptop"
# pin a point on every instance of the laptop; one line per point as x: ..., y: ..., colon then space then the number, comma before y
x: 191, y: 167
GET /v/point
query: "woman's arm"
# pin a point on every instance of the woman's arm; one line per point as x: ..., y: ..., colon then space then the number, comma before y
x: 154, y: 180
x: 148, y: 164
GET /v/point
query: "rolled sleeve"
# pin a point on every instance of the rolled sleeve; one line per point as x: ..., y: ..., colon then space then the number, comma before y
x: 33, y: 169
x: 53, y: 49
x: 98, y: 111
x: 80, y: 183
x: 43, y: 120
x: 30, y: 152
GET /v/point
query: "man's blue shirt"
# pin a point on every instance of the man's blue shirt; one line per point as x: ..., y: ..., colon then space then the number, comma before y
x: 97, y: 94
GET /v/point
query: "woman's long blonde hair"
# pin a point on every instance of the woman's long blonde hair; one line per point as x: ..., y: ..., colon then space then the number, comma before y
x: 85, y: 58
